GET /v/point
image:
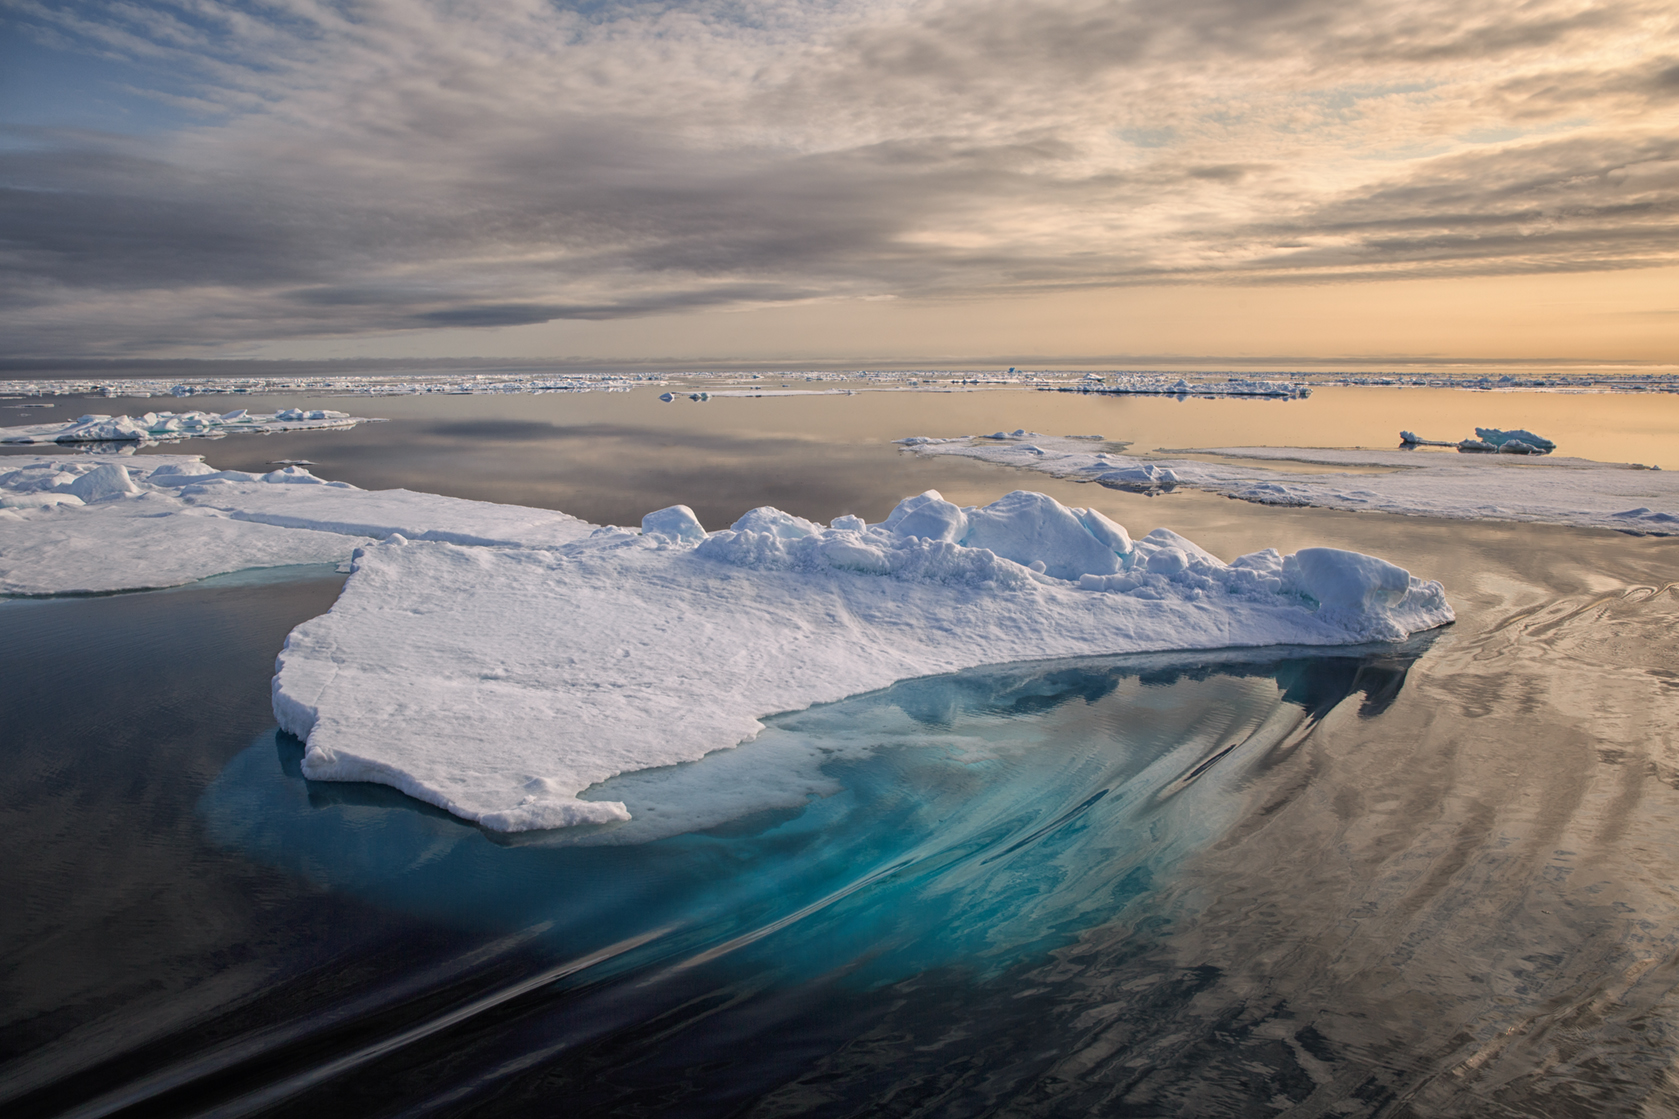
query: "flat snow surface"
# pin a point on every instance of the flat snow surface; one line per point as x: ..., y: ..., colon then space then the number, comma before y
x: 100, y: 523
x: 1546, y: 489
x: 500, y: 683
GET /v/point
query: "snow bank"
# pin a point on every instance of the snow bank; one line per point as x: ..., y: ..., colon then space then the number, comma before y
x: 500, y: 684
x: 1502, y: 487
x: 163, y: 427
x: 89, y: 525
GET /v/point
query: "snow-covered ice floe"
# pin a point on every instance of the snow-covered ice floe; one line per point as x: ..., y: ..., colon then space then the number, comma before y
x: 89, y: 525
x: 501, y: 683
x: 165, y: 427
x: 1537, y: 488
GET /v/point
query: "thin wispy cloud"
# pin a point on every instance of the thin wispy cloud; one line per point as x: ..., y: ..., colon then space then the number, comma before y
x: 389, y: 165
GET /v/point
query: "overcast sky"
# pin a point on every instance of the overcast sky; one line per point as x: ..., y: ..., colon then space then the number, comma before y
x: 840, y: 178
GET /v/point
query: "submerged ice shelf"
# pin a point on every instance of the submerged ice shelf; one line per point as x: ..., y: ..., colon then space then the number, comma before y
x: 1494, y: 487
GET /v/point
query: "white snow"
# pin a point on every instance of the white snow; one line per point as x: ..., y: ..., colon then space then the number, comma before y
x: 88, y: 524
x: 1504, y: 487
x: 164, y: 427
x: 500, y: 683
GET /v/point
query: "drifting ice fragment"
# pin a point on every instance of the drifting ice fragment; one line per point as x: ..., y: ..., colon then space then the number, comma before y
x: 1412, y: 439
x: 1488, y: 439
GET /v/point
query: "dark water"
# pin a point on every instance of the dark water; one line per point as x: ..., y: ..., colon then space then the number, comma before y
x: 1433, y: 879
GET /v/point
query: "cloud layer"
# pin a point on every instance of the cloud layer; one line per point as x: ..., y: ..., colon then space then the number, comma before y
x: 380, y: 165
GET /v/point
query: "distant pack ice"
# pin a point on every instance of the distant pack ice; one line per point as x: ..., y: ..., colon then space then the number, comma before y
x: 169, y: 427
x: 500, y: 683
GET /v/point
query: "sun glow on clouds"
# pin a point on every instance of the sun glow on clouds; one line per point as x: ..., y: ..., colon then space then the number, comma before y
x: 402, y: 169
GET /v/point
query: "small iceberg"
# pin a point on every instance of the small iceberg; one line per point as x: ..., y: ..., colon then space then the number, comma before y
x: 1488, y: 440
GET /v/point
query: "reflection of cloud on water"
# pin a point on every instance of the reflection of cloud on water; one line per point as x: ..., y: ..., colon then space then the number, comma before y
x: 954, y: 818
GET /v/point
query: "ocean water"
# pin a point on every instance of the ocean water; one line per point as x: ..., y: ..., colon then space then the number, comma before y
x: 1429, y: 879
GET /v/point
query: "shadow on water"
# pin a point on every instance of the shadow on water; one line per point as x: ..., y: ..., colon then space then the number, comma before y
x: 905, y: 855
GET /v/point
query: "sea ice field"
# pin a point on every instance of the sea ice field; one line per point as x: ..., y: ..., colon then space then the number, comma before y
x: 743, y: 757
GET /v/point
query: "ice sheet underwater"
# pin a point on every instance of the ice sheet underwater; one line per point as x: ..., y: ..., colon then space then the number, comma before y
x: 966, y: 817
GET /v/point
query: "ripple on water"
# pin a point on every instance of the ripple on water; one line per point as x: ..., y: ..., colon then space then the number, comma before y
x: 1431, y: 880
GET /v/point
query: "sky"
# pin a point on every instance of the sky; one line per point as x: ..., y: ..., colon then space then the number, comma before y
x: 870, y: 181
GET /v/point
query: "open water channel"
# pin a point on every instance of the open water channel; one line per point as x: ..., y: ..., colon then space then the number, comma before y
x: 1429, y: 879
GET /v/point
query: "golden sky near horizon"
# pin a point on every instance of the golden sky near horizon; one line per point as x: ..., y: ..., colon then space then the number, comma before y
x: 939, y: 181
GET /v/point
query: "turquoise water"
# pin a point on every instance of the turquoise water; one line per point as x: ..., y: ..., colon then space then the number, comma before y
x: 963, y: 825
x: 980, y: 817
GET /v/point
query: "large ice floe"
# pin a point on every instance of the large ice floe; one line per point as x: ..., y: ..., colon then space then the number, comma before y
x: 168, y: 427
x: 501, y: 683
x: 1490, y: 487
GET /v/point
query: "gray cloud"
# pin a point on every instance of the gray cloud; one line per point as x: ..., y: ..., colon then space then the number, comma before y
x: 408, y: 165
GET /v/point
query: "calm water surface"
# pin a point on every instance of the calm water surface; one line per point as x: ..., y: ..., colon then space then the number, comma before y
x: 1432, y: 879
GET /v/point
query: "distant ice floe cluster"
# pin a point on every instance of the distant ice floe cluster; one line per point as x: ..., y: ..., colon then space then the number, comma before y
x: 1509, y: 382
x: 348, y: 384
x: 480, y: 381
x: 167, y: 427
x: 1500, y: 487
x: 1151, y: 384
